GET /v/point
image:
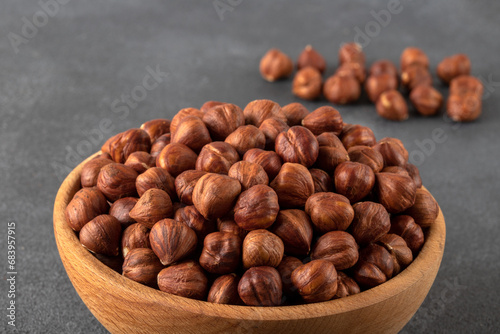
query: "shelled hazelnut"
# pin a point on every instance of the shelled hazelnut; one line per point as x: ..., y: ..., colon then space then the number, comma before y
x: 465, y: 101
x: 452, y: 67
x: 309, y: 57
x: 342, y: 88
x: 392, y: 105
x: 307, y: 83
x: 294, y: 113
x: 275, y: 65
x: 426, y: 100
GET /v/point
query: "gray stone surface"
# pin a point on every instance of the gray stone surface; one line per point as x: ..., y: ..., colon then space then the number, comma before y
x: 57, y: 91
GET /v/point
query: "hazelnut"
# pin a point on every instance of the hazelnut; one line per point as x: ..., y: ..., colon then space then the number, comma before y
x: 193, y: 218
x: 135, y: 236
x: 293, y: 184
x: 209, y: 105
x: 90, y: 171
x: 316, y: 281
x: 123, y: 144
x: 377, y: 84
x: 375, y: 266
x: 393, y: 151
x: 330, y: 157
x: 322, y: 181
x: 180, y: 116
x: 294, y: 229
x: 275, y: 65
x: 221, y: 253
x: 102, y: 235
x: 371, y: 221
x: 192, y: 132
x: 352, y: 69
x: 185, y: 279
x: 245, y: 138
x: 354, y: 180
x: 330, y: 139
x: 391, y: 105
x: 324, y: 119
x: 329, y: 212
x: 383, y: 66
x: 395, y: 192
x: 426, y: 100
x: 184, y: 185
x: 87, y: 204
x: 224, y: 290
x: 411, y: 56
x: 414, y: 174
x: 452, y: 67
x: 271, y: 127
x: 355, y: 135
x: 262, y: 248
x: 176, y: 158
x: 261, y: 286
x: 310, y: 57
x: 156, y: 128
x: 396, y: 246
x: 159, y: 144
x: 223, y: 119
x: 116, y: 181
x: 258, y: 111
x: 396, y: 170
x: 342, y: 89
x: 415, y: 75
x: 338, y: 247
x: 294, y: 113
x: 425, y: 208
x: 215, y: 194
x: 172, y: 240
x: 158, y: 178
x: 466, y: 85
x: 249, y: 174
x: 351, y: 53
x: 307, y: 83
x: 217, y: 157
x: 285, y: 269
x: 269, y: 160
x: 142, y: 265
x: 154, y: 205
x: 140, y: 161
x: 227, y: 224
x: 464, y: 108
x: 120, y: 209
x: 411, y: 232
x: 297, y: 145
x: 368, y: 156
x: 103, y: 156
x: 256, y: 208
x: 346, y: 286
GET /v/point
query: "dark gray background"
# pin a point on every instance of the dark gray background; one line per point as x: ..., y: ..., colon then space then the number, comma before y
x: 59, y: 86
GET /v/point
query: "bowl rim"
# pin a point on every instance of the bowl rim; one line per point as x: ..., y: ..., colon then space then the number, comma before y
x: 431, y: 252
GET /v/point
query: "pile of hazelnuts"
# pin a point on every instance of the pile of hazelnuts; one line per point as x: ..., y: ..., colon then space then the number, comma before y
x: 382, y: 83
x: 263, y: 206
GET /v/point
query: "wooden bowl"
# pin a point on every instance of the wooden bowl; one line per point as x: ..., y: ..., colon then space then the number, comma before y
x: 124, y: 306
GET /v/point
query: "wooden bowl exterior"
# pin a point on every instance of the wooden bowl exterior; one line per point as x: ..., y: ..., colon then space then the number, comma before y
x: 124, y: 306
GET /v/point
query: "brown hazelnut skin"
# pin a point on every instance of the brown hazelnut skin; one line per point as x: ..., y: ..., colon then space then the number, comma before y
x: 87, y: 204
x: 172, y: 241
x: 415, y: 75
x: 192, y: 132
x: 426, y: 100
x: 185, y: 279
x: 452, y: 67
x: 245, y: 138
x: 256, y: 208
x: 224, y: 290
x: 184, y: 185
x: 394, y: 191
x: 375, y: 266
x: 156, y: 177
x: 156, y: 128
x: 271, y: 128
x: 295, y: 113
x: 316, y: 281
x: 223, y: 119
x: 140, y: 161
x: 262, y: 248
x: 227, y: 224
x: 396, y: 246
x: 214, y: 195
x: 116, y: 181
x: 354, y: 180
x: 120, y: 209
x: 352, y: 69
x: 90, y: 171
x: 123, y: 144
x: 269, y: 160
x: 383, y: 66
x: 159, y: 144
x: 176, y: 158
x: 411, y: 232
x: 371, y: 221
x: 465, y: 85
x: 275, y: 65
x: 377, y: 84
x: 310, y: 57
x: 464, y: 108
x: 258, y: 111
x: 249, y: 174
x: 342, y: 89
x: 346, y: 286
x: 393, y: 151
x: 329, y: 212
x: 425, y: 208
x: 102, y: 235
x: 193, y: 218
x: 351, y: 53
x: 221, y: 253
x: 285, y: 268
x: 209, y: 105
x: 294, y: 185
x: 413, y: 55
x: 338, y: 247
x: 180, y: 116
x: 135, y: 236
x: 297, y: 145
x: 391, y: 105
x: 368, y: 156
x: 295, y: 230
x: 396, y: 170
x: 414, y: 174
x: 355, y: 135
x: 324, y: 119
x: 307, y: 83
x: 154, y: 205
x: 322, y: 181
x: 261, y: 286
x: 142, y: 265
x: 217, y: 157
x: 330, y: 139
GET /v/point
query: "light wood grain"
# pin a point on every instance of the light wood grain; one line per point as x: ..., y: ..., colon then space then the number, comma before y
x: 124, y: 306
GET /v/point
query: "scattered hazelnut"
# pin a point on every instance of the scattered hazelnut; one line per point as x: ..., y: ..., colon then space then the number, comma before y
x: 245, y: 138
x: 411, y: 232
x: 172, y: 241
x: 371, y: 221
x: 368, y: 156
x: 351, y: 53
x: 123, y: 144
x: 87, y: 204
x: 275, y: 65
x: 466, y: 85
x: 180, y: 116
x: 354, y: 180
x: 269, y: 160
x: 297, y: 145
x: 452, y: 67
x: 295, y: 113
x: 293, y: 185
x: 465, y: 108
x: 316, y: 281
x: 307, y: 83
x: 193, y: 218
x: 352, y: 69
x: 192, y: 132
x: 294, y: 229
x: 154, y: 205
x: 391, y: 105
x: 262, y: 248
x: 324, y: 119
x: 116, y: 181
x: 135, y: 236
x: 395, y: 192
x: 223, y: 119
x: 375, y: 266
x: 249, y: 174
x: 383, y: 66
x: 90, y: 171
x: 338, y: 247
x: 217, y: 157
x: 158, y: 178
x: 426, y: 100
x: 102, y: 235
x: 415, y: 75
x: 271, y: 127
x: 411, y: 56
x: 329, y: 212
x: 342, y: 89
x: 156, y: 128
x: 258, y: 111
x: 140, y: 161
x: 224, y: 290
x: 396, y: 246
x: 322, y: 181
x: 425, y: 208
x: 261, y: 286
x: 377, y: 84
x: 185, y: 279
x: 120, y: 209
x: 221, y: 253
x: 256, y: 208
x: 184, y: 185
x: 346, y: 286
x: 142, y: 265
x: 311, y: 57
x: 176, y: 158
